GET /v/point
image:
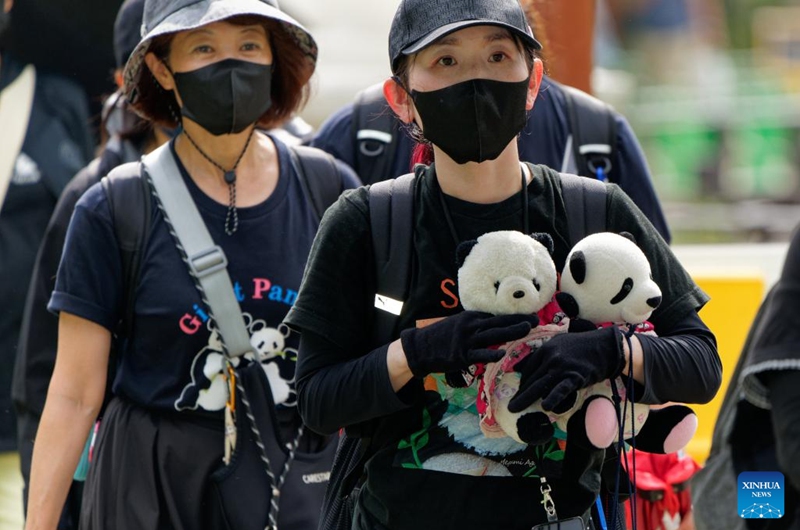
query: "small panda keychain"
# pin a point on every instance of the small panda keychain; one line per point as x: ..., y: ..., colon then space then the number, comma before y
x: 230, y: 415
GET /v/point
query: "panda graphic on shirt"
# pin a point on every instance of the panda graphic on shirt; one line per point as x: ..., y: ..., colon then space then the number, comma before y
x: 207, y: 389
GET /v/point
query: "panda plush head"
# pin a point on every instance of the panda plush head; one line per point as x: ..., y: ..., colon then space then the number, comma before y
x: 506, y: 272
x: 607, y: 278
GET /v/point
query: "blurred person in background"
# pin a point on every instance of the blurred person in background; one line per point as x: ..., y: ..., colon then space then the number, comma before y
x: 127, y: 137
x: 770, y: 398
x: 758, y: 427
x: 71, y: 38
x: 162, y: 436
x: 56, y: 143
x: 545, y: 139
x: 665, y: 32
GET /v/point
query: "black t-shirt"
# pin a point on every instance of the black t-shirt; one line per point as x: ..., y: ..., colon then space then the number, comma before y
x: 437, y: 465
x: 174, y: 361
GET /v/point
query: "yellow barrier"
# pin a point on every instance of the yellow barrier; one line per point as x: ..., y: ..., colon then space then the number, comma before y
x: 734, y: 303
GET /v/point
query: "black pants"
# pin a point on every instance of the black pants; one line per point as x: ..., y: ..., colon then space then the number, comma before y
x: 151, y: 472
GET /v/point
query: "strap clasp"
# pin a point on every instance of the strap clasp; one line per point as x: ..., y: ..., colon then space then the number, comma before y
x: 208, y: 261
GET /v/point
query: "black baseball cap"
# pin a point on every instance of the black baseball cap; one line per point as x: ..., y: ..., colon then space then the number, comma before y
x: 419, y: 23
x: 126, y: 30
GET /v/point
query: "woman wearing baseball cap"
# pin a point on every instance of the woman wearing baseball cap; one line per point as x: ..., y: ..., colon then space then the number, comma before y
x: 222, y: 70
x: 465, y: 74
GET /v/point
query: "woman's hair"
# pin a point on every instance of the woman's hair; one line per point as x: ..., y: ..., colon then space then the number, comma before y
x: 535, y: 20
x: 290, y: 89
x: 134, y: 128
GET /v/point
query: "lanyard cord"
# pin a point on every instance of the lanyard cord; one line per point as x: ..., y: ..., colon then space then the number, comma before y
x: 623, y: 454
x: 232, y: 216
x: 276, y: 479
x: 523, y: 192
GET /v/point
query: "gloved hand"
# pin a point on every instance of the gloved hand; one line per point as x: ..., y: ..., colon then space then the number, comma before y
x: 566, y: 363
x: 462, y: 340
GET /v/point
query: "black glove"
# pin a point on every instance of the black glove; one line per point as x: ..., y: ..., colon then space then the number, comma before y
x: 462, y: 340
x: 566, y: 363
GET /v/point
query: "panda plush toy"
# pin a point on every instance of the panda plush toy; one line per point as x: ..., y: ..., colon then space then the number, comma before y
x: 607, y: 281
x: 507, y: 272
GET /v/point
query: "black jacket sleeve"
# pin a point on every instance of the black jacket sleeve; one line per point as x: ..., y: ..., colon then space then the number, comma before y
x: 348, y: 392
x: 682, y: 364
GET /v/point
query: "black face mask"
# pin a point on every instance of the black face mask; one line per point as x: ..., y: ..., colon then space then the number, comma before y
x: 474, y: 120
x: 225, y: 97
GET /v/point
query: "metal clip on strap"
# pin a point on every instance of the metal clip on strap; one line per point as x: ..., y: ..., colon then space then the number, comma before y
x: 208, y: 261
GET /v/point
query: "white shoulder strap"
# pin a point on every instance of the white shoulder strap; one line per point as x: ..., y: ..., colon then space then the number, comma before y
x: 16, y: 101
x: 206, y: 261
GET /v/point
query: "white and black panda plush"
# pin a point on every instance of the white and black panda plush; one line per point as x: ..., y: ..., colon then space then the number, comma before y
x: 607, y: 281
x: 506, y: 272
x: 502, y: 273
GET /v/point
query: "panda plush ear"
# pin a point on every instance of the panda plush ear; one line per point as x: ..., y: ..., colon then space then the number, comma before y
x: 577, y: 266
x: 463, y: 250
x: 545, y: 240
x: 628, y: 235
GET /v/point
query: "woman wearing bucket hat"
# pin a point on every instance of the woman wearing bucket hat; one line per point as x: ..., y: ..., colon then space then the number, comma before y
x: 223, y: 70
x: 465, y: 74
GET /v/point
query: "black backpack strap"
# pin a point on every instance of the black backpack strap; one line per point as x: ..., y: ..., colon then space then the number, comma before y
x: 391, y: 210
x: 585, y: 200
x: 594, y: 133
x: 129, y: 201
x: 316, y: 169
x: 375, y: 130
x: 128, y: 196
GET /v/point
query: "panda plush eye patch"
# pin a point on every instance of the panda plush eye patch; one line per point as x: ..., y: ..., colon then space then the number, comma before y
x: 627, y: 287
